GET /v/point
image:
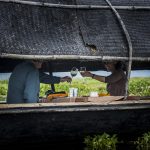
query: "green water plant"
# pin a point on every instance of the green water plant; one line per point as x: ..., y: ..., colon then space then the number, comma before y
x: 101, y: 142
x: 143, y: 142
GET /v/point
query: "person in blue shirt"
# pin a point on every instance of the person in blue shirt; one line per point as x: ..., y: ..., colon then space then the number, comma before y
x: 24, y: 82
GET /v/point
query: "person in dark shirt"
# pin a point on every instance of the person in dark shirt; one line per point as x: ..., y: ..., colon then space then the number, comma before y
x: 24, y: 82
x: 115, y: 82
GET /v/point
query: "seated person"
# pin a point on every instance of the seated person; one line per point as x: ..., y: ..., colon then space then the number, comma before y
x: 24, y: 82
x: 115, y: 82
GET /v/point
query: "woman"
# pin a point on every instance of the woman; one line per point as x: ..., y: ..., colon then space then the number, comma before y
x: 115, y: 82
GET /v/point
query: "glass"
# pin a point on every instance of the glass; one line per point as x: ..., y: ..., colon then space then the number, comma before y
x: 82, y: 69
x: 74, y: 72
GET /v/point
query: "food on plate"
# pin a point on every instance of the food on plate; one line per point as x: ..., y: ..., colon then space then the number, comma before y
x: 104, y: 94
x: 52, y: 95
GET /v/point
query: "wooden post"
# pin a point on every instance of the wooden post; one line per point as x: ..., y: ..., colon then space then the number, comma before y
x: 49, y: 66
x: 129, y: 46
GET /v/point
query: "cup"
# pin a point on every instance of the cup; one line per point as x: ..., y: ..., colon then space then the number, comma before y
x: 93, y: 94
x: 73, y: 92
x: 82, y: 69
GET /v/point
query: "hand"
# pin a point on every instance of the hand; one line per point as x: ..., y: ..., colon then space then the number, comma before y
x: 65, y: 79
x: 86, y: 74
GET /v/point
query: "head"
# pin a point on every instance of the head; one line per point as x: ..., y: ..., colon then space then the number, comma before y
x: 113, y: 65
x: 37, y: 63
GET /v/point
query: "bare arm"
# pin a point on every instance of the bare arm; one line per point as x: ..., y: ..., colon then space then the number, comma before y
x: 99, y: 78
x: 93, y: 76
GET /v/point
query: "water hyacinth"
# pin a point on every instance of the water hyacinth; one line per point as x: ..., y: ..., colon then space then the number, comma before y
x: 143, y: 143
x: 101, y: 142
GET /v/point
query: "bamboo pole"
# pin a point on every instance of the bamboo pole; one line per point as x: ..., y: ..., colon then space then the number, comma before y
x: 129, y: 46
x: 43, y: 4
x: 71, y: 57
x: 49, y: 66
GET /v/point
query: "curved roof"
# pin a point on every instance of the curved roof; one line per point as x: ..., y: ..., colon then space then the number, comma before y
x: 74, y: 33
x: 43, y: 30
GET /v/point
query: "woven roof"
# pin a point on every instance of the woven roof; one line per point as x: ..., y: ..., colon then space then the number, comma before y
x: 50, y: 31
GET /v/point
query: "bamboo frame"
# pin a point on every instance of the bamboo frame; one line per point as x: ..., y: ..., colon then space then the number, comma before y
x: 129, y: 45
x: 75, y: 6
x: 71, y: 57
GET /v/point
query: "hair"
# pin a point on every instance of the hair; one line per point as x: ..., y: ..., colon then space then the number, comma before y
x: 120, y: 66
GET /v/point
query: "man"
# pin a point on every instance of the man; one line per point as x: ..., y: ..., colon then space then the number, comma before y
x: 24, y: 82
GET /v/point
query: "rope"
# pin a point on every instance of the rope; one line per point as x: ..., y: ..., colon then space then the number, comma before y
x: 129, y: 45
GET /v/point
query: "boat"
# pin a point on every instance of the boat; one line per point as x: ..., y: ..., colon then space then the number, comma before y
x: 85, y: 32
x: 56, y: 123
x: 66, y: 34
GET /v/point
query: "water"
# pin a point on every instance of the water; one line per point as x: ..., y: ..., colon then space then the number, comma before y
x: 135, y: 73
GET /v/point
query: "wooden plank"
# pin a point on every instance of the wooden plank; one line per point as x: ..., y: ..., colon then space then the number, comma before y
x: 101, y: 100
x: 79, y: 101
x: 138, y: 98
x: 105, y: 99
x: 75, y: 121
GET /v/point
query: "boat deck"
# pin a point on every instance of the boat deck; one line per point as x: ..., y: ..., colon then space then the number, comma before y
x: 80, y: 103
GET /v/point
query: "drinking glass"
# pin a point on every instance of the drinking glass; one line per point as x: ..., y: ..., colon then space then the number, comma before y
x: 74, y: 72
x: 82, y: 69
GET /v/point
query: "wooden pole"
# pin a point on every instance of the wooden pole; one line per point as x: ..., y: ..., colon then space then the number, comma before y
x: 49, y: 66
x: 129, y: 45
x: 43, y: 4
x: 71, y: 57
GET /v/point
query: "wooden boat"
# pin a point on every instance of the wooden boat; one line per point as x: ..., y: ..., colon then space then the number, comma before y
x: 63, y: 121
x: 66, y: 34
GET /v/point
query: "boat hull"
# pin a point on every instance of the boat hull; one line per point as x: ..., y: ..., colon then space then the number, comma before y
x: 52, y: 123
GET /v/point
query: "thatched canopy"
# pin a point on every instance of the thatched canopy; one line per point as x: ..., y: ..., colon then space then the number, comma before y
x: 77, y: 30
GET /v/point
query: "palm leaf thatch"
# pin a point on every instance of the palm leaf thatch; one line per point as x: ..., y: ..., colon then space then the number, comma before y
x: 75, y: 29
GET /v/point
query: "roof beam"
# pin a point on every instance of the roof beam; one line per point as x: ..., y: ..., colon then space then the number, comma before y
x: 51, y: 5
x: 71, y: 57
